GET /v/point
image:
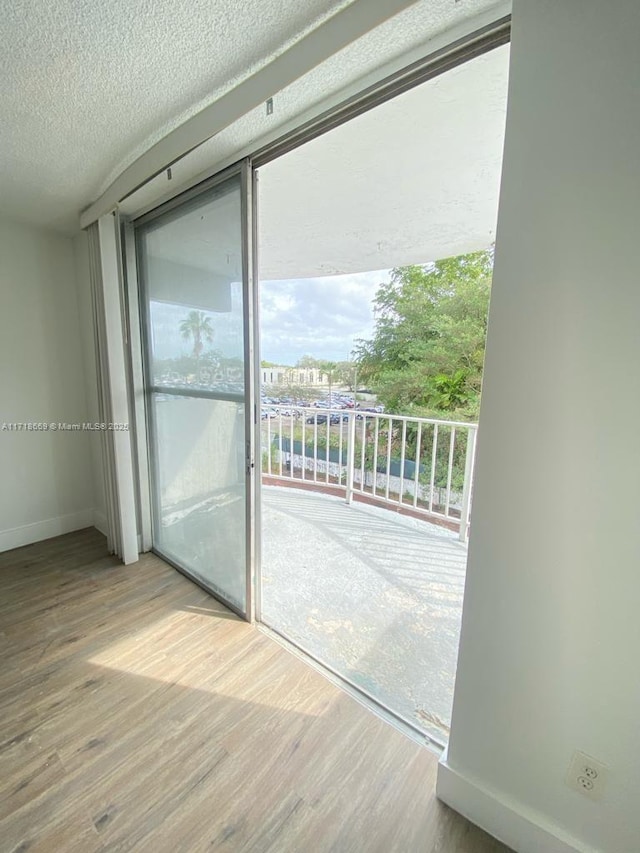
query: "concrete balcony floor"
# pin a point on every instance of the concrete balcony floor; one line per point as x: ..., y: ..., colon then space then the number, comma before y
x: 376, y: 596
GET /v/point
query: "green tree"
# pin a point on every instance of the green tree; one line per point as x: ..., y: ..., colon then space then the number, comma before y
x: 427, y: 351
x: 346, y: 373
x: 197, y: 325
x: 450, y: 392
x: 328, y: 367
x: 307, y: 361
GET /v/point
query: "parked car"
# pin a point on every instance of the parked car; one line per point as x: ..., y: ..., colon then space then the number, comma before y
x: 334, y: 418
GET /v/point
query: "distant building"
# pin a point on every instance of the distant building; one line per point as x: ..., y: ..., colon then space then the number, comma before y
x: 293, y: 376
x: 273, y: 375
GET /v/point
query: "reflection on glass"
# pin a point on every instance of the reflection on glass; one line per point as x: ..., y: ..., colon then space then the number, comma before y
x: 200, y: 485
x: 191, y: 267
x: 193, y: 270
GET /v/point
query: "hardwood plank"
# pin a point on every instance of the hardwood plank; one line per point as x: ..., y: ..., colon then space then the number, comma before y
x: 137, y: 713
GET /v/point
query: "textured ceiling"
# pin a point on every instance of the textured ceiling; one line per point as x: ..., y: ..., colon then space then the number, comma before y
x: 88, y: 87
x: 391, y: 45
x: 413, y: 180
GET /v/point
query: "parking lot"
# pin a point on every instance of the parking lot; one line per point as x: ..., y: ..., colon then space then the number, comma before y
x: 273, y: 407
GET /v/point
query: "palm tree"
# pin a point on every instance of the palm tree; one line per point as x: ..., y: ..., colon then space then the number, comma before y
x: 197, y: 326
x: 328, y: 367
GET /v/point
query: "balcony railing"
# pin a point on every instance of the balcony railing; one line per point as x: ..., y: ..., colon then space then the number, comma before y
x: 419, y: 466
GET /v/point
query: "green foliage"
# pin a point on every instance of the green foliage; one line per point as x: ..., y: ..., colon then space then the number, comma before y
x: 346, y: 374
x: 326, y: 366
x: 308, y: 361
x: 450, y: 392
x: 427, y: 352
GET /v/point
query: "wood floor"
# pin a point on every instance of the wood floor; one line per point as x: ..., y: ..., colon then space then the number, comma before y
x: 136, y: 713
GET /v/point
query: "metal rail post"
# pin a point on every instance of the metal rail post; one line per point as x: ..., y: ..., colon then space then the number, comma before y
x: 351, y: 455
x: 469, y: 464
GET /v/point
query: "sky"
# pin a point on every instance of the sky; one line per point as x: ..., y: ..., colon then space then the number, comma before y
x: 321, y: 317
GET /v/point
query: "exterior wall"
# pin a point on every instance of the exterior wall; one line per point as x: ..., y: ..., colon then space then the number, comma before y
x: 47, y: 477
x: 550, y: 636
x: 273, y: 375
x: 293, y: 376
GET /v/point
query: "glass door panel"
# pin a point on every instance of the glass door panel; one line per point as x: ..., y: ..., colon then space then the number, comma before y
x: 194, y: 286
x: 200, y: 470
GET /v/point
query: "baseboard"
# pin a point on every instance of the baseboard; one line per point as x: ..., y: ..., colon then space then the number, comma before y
x: 100, y: 522
x: 16, y: 537
x: 525, y: 831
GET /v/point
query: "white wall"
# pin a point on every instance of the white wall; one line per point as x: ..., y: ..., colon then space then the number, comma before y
x: 46, y: 476
x: 550, y: 648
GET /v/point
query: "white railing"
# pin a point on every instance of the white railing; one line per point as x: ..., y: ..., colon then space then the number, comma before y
x: 419, y: 464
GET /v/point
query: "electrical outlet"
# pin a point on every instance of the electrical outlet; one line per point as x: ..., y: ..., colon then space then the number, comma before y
x: 586, y: 775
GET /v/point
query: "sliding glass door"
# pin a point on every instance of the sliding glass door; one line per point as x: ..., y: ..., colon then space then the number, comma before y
x: 195, y: 289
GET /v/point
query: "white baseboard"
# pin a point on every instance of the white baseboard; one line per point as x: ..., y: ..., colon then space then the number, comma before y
x: 16, y: 537
x: 521, y: 829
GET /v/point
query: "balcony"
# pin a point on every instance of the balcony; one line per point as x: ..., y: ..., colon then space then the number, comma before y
x: 365, y: 521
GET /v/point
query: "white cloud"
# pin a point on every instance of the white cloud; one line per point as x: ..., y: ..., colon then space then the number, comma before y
x: 318, y: 316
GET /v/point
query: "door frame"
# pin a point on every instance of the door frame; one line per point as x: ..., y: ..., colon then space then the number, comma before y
x: 468, y: 46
